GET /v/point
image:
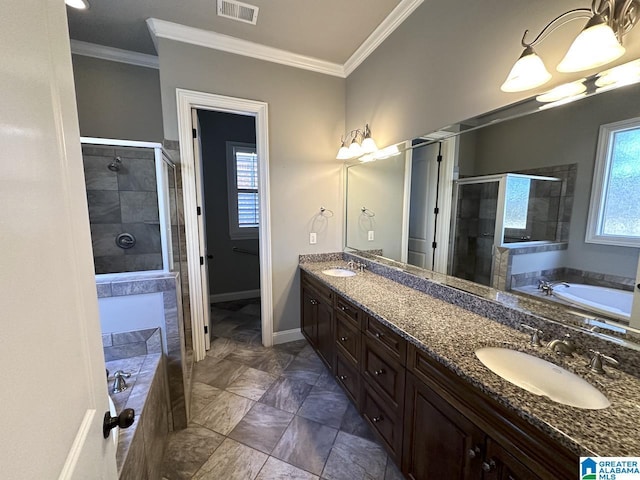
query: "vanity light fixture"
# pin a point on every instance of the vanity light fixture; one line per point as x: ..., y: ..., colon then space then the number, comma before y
x: 621, y: 75
x: 599, y: 43
x: 79, y: 4
x: 561, y: 92
x: 359, y: 143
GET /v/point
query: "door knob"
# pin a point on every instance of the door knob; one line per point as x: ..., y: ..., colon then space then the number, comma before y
x: 124, y: 420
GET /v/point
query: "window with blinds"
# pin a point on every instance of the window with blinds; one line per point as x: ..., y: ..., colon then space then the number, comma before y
x: 242, y: 185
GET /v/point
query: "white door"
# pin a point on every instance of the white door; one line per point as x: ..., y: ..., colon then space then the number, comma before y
x: 202, y: 233
x: 54, y: 391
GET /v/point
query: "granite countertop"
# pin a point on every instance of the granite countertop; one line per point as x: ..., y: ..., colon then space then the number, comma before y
x: 451, y: 334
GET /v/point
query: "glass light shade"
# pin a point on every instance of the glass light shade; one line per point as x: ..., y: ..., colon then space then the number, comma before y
x: 625, y: 74
x: 79, y: 4
x: 527, y: 73
x: 564, y: 101
x: 355, y: 150
x: 343, y: 153
x: 369, y: 145
x: 595, y: 46
x: 563, y: 91
x: 387, y: 152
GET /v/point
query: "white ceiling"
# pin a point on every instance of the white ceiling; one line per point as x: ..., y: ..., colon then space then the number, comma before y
x: 330, y: 30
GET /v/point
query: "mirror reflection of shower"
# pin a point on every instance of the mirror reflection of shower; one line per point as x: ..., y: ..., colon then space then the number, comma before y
x: 115, y: 165
x: 503, y: 210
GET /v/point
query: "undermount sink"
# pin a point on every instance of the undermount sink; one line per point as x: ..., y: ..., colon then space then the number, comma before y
x: 542, y: 378
x: 339, y: 272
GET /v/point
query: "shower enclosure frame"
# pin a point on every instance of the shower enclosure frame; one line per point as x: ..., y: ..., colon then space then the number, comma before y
x: 162, y: 191
x: 498, y: 237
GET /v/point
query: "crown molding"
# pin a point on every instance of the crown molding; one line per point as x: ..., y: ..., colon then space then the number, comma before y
x: 225, y: 43
x: 114, y: 54
x: 379, y: 35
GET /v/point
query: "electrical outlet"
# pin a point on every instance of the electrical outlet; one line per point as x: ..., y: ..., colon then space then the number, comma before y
x: 370, y: 235
x: 313, y: 239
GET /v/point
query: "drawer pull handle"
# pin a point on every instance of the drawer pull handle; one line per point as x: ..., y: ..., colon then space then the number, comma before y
x: 343, y: 339
x: 313, y: 302
x: 378, y: 372
x: 378, y: 335
x: 489, y: 466
x: 474, y: 452
x: 377, y: 419
x: 342, y: 377
x: 344, y: 309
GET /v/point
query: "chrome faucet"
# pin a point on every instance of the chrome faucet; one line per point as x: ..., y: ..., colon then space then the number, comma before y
x: 351, y: 265
x: 547, y: 287
x: 536, y: 335
x: 564, y: 347
x: 119, y: 384
x: 595, y: 364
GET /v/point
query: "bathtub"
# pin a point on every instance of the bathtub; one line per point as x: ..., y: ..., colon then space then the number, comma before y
x: 606, y: 301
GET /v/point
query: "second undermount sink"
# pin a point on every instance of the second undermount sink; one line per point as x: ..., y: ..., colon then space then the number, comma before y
x: 339, y: 272
x: 542, y: 378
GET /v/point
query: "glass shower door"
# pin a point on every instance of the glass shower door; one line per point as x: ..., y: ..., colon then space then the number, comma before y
x: 474, y: 231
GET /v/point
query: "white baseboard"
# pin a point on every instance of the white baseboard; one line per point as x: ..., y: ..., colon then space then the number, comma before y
x: 229, y: 296
x: 287, y: 336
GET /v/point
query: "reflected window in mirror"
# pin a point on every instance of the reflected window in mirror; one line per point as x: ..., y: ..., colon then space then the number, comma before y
x: 614, y: 212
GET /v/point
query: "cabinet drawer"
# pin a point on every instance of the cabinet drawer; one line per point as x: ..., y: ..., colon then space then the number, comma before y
x: 383, y: 372
x: 348, y: 339
x: 319, y: 288
x: 384, y: 421
x: 349, y: 311
x: 348, y: 377
x: 389, y: 340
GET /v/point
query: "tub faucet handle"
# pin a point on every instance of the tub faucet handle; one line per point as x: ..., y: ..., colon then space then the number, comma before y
x: 595, y: 364
x: 536, y: 333
x: 119, y: 384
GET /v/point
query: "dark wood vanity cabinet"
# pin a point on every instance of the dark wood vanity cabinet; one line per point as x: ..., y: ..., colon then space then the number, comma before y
x: 439, y: 442
x: 433, y: 424
x: 316, y: 306
x: 481, y: 438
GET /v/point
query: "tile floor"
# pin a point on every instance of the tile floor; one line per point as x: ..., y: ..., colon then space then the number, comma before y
x: 269, y: 413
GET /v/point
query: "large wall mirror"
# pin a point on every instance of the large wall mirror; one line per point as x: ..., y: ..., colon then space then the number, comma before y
x: 506, y: 199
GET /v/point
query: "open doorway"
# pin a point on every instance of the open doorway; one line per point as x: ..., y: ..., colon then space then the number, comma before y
x: 189, y: 103
x: 231, y: 214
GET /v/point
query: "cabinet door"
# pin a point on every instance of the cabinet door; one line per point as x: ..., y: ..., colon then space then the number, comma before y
x: 324, y: 322
x: 308, y: 315
x: 439, y: 442
x: 501, y: 465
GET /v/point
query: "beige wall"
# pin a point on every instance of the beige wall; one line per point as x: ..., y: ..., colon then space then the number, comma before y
x: 117, y: 100
x: 306, y: 119
x: 446, y: 63
x: 366, y: 184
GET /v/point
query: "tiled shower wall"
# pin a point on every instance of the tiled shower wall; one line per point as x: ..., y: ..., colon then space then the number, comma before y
x: 178, y: 237
x: 122, y: 202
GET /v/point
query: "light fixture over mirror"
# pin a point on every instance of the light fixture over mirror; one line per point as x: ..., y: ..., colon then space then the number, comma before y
x: 599, y: 43
x: 79, y: 4
x: 356, y: 143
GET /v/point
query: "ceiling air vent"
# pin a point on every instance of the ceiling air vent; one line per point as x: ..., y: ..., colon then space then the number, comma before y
x: 242, y: 12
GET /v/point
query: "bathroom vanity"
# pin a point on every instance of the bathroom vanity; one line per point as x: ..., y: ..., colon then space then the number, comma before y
x: 406, y: 360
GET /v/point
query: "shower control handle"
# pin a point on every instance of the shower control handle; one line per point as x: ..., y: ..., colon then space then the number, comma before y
x: 124, y: 420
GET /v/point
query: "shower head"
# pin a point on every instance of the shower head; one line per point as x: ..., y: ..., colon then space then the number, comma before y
x: 115, y: 165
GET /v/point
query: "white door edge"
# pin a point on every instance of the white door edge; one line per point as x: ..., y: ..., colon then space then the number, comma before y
x: 188, y: 100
